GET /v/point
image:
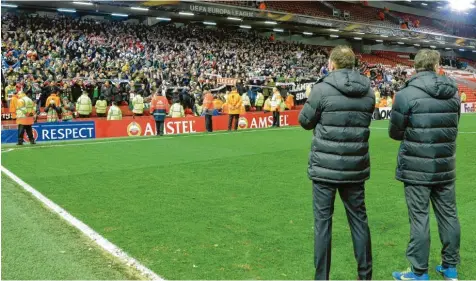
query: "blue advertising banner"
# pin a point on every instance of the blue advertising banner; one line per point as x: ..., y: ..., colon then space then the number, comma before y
x: 60, y: 131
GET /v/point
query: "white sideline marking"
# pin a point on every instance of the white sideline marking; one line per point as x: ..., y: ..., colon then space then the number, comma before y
x: 86, y: 230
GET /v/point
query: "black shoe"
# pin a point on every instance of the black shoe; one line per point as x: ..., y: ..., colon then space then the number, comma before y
x: 19, y: 143
x: 32, y: 142
x: 161, y: 135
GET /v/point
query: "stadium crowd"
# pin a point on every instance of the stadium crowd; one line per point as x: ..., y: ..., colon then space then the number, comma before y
x: 93, y: 63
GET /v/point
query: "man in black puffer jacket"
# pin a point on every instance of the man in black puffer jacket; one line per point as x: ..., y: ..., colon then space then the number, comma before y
x: 425, y: 118
x: 339, y: 110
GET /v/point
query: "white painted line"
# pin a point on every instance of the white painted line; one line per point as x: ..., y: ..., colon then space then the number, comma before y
x: 86, y: 230
x: 8, y: 150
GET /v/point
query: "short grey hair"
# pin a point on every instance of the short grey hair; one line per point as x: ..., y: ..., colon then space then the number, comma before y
x: 426, y: 59
x: 342, y: 57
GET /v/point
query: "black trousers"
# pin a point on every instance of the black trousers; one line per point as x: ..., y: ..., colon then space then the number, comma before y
x: 208, y: 123
x: 21, y: 132
x: 230, y: 121
x: 353, y: 197
x: 276, y: 118
x: 159, y: 125
x: 443, y: 199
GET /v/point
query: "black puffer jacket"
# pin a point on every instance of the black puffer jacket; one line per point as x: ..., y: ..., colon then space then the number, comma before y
x: 339, y: 109
x: 425, y: 117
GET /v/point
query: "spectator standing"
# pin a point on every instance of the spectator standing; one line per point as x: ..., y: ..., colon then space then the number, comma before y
x: 339, y: 111
x: 114, y: 112
x: 276, y: 101
x: 208, y: 108
x: 234, y: 104
x: 463, y: 97
x: 10, y: 90
x: 425, y: 119
x: 159, y: 108
x: 106, y: 91
x: 67, y: 110
x: 52, y: 108
x: 77, y: 89
x: 84, y: 105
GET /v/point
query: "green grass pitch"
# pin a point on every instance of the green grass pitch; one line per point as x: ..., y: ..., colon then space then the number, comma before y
x: 234, y: 205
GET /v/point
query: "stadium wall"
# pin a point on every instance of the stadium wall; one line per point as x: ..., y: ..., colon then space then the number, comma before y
x: 145, y: 126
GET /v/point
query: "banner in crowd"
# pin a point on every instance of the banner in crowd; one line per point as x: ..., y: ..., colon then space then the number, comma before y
x: 55, y: 132
x: 299, y: 90
x: 468, y: 107
x: 226, y: 81
x: 145, y: 126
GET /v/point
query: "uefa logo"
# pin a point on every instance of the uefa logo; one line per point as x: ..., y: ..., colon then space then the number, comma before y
x: 35, y: 135
x: 242, y: 123
x: 134, y: 129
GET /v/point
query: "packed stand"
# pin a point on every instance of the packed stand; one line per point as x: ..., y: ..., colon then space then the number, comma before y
x: 115, y: 61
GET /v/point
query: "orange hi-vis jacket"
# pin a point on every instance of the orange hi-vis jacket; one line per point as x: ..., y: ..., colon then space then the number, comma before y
x: 159, y: 103
x: 224, y: 108
x: 289, y: 102
x: 234, y: 103
x: 13, y: 106
x: 53, y: 97
x: 217, y: 104
x: 208, y: 102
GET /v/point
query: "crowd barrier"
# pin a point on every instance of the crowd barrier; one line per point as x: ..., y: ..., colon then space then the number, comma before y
x: 468, y: 107
x: 145, y: 126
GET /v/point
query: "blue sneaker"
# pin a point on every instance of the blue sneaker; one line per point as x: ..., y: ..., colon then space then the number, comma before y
x: 449, y: 273
x: 409, y: 275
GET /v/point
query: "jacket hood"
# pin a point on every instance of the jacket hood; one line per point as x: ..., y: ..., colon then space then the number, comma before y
x: 440, y: 87
x: 349, y: 82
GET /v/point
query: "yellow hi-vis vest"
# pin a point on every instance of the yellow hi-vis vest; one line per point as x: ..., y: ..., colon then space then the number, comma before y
x: 84, y: 105
x: 138, y: 105
x: 259, y: 100
x: 177, y: 110
x: 25, y: 108
x: 101, y: 106
x: 114, y: 113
